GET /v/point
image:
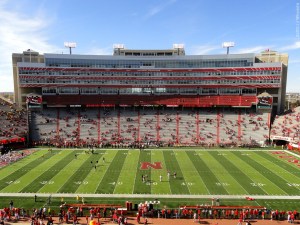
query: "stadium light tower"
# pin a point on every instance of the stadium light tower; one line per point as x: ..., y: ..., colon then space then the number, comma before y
x: 228, y: 45
x: 70, y: 45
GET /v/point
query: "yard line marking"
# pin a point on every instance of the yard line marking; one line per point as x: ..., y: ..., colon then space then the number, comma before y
x: 53, y: 178
x: 89, y: 176
x: 107, y: 166
x: 233, y: 155
x: 282, y: 177
x: 229, y: 173
x: 184, y: 179
x: 135, y: 175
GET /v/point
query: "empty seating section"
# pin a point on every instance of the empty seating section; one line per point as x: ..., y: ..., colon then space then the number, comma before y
x: 150, y: 125
x: 129, y: 125
x: 43, y: 125
x: 208, y: 126
x: 89, y: 125
x: 229, y: 124
x: 254, y: 126
x: 69, y: 124
x: 167, y: 125
x: 109, y: 126
x: 287, y: 125
x: 187, y: 128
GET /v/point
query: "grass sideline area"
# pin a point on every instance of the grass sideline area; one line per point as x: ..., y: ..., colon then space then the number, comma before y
x: 29, y: 202
x: 107, y: 174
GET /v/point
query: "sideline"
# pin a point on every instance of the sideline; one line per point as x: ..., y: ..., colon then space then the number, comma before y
x: 292, y: 153
x: 268, y: 197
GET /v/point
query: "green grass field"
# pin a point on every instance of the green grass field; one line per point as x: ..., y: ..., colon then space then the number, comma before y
x: 199, y: 173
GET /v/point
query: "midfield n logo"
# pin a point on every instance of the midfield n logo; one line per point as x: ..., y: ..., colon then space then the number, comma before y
x: 147, y: 165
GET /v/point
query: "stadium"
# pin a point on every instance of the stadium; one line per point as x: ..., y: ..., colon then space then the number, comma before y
x: 150, y: 97
x: 152, y: 124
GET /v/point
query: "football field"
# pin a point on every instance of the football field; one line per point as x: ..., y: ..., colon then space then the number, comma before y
x: 151, y: 172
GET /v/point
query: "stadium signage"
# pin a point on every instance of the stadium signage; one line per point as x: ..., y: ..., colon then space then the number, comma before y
x: 280, y: 138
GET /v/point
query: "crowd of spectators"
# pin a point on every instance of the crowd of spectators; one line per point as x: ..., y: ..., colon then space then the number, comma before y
x: 13, y: 121
x: 67, y: 214
x: 12, y: 156
x: 287, y: 125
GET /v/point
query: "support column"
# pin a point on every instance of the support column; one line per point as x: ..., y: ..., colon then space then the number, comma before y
x: 139, y: 126
x: 119, y: 132
x: 177, y: 128
x: 157, y: 126
x: 99, y: 126
x: 218, y: 126
x: 197, y: 126
x: 57, y: 122
x: 239, y: 125
x: 78, y: 127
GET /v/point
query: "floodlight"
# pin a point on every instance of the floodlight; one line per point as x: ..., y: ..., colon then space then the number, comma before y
x: 228, y: 45
x: 120, y: 46
x: 70, y: 45
x: 178, y: 46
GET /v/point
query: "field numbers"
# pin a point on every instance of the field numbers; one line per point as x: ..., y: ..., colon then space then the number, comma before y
x: 257, y: 184
x: 13, y: 182
x: 222, y: 154
x: 81, y: 182
x: 150, y: 153
x: 149, y: 183
x: 187, y: 184
x: 198, y: 154
x: 222, y: 184
x: 116, y: 183
x: 293, y: 185
x: 46, y: 182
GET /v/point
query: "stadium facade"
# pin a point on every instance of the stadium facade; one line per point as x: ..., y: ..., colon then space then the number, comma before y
x: 152, y: 78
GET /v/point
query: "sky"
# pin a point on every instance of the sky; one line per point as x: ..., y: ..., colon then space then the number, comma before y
x: 201, y: 25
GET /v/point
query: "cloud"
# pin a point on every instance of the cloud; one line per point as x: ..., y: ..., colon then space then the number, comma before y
x: 205, y: 49
x: 20, y: 32
x: 100, y: 51
x: 294, y: 46
x: 255, y: 49
x: 158, y: 8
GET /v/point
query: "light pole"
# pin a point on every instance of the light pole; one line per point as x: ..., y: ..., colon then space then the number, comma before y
x: 70, y: 45
x: 228, y: 45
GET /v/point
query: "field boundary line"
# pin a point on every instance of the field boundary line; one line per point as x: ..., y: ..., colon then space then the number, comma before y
x: 167, y: 196
x: 292, y: 153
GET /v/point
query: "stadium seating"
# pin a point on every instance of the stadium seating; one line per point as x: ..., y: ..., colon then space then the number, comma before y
x: 287, y: 125
x: 13, y: 122
x: 149, y: 125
